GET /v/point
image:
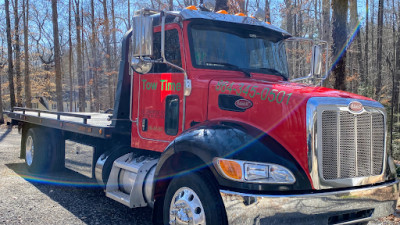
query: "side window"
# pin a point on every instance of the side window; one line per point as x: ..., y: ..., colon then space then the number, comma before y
x: 172, y: 114
x: 172, y: 51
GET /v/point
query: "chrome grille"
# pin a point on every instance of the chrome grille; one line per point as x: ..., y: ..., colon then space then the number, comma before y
x: 352, y: 144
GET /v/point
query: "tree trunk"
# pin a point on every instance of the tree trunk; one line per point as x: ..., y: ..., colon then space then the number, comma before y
x: 397, y: 77
x: 17, y: 54
x: 221, y: 5
x: 28, y: 95
x: 289, y: 16
x: 71, y: 95
x: 95, y: 63
x: 108, y: 51
x: 57, y: 56
x: 358, y: 48
x: 339, y: 35
x: 1, y: 102
x: 114, y: 39
x: 2, y: 64
x: 366, y: 49
x: 81, y: 78
x: 326, y: 23
x: 379, y: 62
x: 9, y: 53
x: 129, y: 14
x: 267, y: 11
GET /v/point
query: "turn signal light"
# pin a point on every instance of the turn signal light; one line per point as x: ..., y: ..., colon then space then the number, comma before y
x: 231, y: 169
x: 240, y: 14
x: 222, y: 12
x: 191, y: 7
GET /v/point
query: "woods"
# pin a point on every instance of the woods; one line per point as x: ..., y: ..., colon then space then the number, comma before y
x: 68, y: 51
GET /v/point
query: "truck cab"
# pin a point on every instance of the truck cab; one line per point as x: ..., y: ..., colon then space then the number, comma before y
x: 209, y: 127
x: 227, y: 106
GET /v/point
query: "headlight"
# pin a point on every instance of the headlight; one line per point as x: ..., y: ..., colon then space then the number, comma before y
x: 254, y: 172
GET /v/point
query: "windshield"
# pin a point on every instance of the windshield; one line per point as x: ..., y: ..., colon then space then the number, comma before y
x: 216, y: 46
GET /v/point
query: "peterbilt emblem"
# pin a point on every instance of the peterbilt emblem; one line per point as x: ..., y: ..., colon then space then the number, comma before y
x: 243, y: 103
x: 356, y: 107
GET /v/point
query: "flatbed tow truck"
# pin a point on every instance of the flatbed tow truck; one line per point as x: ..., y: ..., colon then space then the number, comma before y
x: 208, y: 129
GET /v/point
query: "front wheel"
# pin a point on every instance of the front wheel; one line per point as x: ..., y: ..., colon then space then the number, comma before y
x: 193, y: 199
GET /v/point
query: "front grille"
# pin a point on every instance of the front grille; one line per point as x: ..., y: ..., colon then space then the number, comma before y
x: 352, y: 144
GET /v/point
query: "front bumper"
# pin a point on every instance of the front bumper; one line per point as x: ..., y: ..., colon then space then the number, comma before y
x: 338, y: 207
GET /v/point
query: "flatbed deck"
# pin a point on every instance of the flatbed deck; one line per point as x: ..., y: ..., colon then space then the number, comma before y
x: 91, y: 124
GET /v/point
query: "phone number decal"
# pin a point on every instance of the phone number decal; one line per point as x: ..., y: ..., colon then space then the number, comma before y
x: 253, y: 91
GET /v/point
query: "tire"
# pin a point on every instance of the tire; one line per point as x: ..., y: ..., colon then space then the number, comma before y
x: 36, y: 150
x: 193, y: 199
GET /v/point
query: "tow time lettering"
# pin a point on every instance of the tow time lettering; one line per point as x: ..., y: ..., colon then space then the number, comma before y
x: 165, y: 85
x: 252, y: 91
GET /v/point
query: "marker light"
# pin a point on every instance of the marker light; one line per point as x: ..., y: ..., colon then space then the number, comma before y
x: 222, y: 12
x: 268, y: 22
x: 240, y: 14
x: 254, y: 172
x: 191, y: 7
x: 230, y: 168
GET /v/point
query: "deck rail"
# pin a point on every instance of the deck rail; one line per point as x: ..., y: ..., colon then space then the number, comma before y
x: 59, y: 114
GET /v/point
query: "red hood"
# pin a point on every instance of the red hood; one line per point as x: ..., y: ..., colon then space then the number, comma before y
x: 284, y: 119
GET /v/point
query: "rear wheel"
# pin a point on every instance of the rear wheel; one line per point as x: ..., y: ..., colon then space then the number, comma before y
x: 193, y: 199
x: 35, y: 150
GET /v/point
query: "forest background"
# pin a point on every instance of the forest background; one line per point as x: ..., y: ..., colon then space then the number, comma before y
x: 68, y: 51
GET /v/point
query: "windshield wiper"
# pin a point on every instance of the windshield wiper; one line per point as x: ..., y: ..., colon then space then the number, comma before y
x: 273, y: 71
x: 247, y: 73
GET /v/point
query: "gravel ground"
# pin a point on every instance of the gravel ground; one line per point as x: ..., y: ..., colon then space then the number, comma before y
x: 25, y: 200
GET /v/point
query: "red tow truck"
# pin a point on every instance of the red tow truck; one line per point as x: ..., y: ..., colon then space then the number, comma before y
x: 207, y: 128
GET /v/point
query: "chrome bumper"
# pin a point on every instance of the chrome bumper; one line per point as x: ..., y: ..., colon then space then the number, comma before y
x: 339, y: 207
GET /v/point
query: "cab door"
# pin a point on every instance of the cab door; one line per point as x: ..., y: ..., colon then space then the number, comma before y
x: 161, y: 93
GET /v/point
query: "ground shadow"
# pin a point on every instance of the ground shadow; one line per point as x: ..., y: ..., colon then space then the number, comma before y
x: 82, y: 197
x: 2, y: 136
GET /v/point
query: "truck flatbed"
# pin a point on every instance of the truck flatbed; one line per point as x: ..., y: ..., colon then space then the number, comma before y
x: 91, y: 124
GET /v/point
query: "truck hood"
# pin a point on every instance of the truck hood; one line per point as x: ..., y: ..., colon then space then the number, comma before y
x: 278, y: 108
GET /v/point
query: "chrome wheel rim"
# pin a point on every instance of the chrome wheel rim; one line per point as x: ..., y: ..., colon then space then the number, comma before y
x: 186, y: 208
x: 29, y: 150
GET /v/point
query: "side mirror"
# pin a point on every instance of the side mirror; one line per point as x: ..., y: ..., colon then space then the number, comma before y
x: 142, y: 43
x: 142, y: 36
x: 317, y: 61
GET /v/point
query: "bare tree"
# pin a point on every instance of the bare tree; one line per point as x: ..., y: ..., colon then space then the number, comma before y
x: 108, y: 51
x: 326, y: 23
x: 17, y: 54
x: 2, y: 64
x: 95, y: 63
x: 221, y: 5
x: 28, y: 96
x: 71, y: 95
x: 57, y: 56
x: 267, y: 11
x: 289, y: 16
x: 81, y: 78
x: 366, y: 53
x: 339, y: 35
x: 358, y: 55
x: 378, y: 84
x: 9, y: 52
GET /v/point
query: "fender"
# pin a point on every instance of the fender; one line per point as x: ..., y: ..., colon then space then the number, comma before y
x: 230, y: 140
